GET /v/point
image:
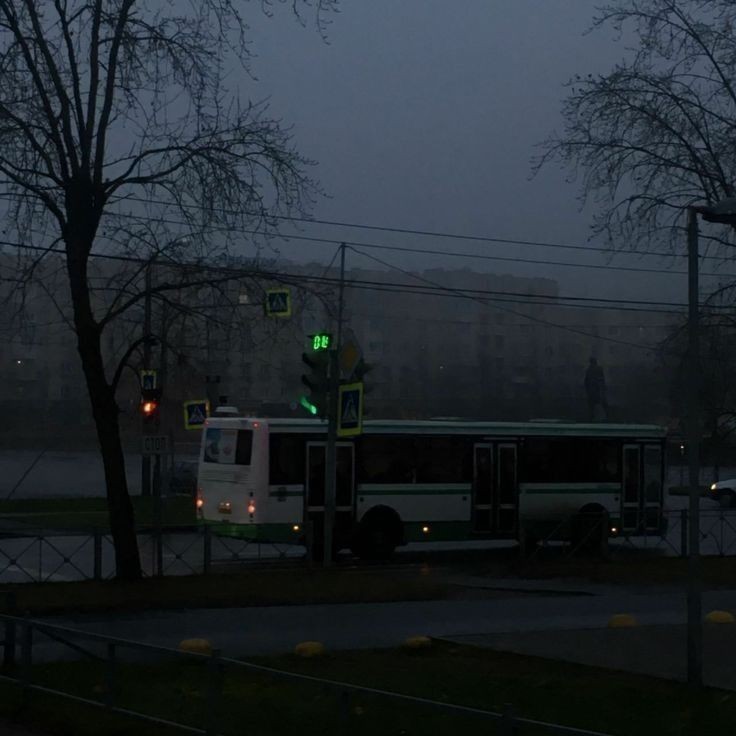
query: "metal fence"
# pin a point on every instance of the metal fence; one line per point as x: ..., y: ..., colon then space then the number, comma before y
x: 107, y: 654
x: 717, y: 535
x: 45, y: 556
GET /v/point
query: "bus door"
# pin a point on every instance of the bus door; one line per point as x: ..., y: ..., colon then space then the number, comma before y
x: 495, y: 487
x: 653, y: 486
x: 632, y: 498
x: 344, y: 490
x: 483, y: 487
x: 508, y: 488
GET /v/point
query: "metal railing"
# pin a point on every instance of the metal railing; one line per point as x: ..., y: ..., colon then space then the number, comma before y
x: 36, y: 557
x: 717, y: 535
x: 33, y: 557
x: 29, y: 633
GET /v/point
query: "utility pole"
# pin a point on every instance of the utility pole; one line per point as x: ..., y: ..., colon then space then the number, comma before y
x: 145, y: 459
x: 694, y: 599
x: 332, y: 416
x: 724, y: 213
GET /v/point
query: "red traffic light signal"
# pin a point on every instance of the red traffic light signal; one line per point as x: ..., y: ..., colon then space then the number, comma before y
x: 149, y: 408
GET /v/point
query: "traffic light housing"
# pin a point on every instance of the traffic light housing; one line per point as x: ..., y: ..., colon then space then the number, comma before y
x: 317, y: 381
x: 150, y: 405
x: 360, y: 371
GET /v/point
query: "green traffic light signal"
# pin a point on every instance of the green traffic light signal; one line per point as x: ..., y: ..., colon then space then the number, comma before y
x: 308, y: 405
x: 317, y: 382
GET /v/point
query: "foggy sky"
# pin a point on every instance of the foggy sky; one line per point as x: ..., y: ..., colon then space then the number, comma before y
x: 424, y: 114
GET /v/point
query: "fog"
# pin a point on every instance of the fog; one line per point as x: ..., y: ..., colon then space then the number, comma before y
x: 425, y: 114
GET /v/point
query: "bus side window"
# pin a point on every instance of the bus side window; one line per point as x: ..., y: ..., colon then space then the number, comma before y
x: 385, y: 459
x: 286, y: 460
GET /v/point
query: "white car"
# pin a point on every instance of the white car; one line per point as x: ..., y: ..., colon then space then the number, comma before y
x: 723, y: 492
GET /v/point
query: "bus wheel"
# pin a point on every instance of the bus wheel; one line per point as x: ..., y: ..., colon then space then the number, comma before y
x: 379, y: 533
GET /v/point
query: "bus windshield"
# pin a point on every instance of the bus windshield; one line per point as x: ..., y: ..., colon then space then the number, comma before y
x: 228, y: 446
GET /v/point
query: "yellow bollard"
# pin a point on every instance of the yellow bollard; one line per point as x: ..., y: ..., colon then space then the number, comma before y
x: 622, y: 621
x: 418, y: 642
x: 196, y: 646
x: 309, y: 649
x: 719, y: 617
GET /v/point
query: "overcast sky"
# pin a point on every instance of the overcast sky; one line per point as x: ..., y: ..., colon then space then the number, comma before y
x: 424, y: 114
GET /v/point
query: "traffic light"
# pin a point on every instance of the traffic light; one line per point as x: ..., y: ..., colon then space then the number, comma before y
x: 150, y: 405
x: 359, y: 374
x: 317, y: 382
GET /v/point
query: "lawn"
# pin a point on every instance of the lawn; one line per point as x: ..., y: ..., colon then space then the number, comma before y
x: 85, y: 514
x: 256, y: 587
x: 256, y: 703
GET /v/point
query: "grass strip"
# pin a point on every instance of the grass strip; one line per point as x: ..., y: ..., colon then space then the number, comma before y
x: 572, y: 695
x: 260, y: 587
x: 85, y: 514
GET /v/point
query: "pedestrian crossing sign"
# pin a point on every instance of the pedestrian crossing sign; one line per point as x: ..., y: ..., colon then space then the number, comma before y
x: 278, y: 303
x: 148, y: 380
x: 350, y: 416
x: 196, y: 413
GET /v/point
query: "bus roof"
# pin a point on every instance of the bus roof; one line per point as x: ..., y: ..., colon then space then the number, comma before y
x: 542, y: 428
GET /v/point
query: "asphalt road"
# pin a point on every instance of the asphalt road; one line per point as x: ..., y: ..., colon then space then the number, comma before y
x: 273, y: 630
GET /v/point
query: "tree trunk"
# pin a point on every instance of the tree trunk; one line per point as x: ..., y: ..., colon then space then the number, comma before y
x: 105, y: 412
x: 120, y: 508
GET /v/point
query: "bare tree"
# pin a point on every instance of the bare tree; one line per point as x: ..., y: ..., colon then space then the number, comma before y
x: 115, y: 113
x: 657, y: 133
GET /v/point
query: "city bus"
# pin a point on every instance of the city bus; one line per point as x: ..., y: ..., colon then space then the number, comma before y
x: 427, y: 481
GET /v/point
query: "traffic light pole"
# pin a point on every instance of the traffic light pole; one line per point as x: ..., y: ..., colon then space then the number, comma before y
x: 332, y: 416
x: 694, y: 599
x: 145, y: 459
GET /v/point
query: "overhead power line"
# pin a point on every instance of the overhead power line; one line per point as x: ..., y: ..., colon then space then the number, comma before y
x: 529, y: 298
x: 429, y: 233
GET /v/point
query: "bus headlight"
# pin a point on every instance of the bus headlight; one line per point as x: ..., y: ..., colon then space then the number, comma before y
x: 714, y: 486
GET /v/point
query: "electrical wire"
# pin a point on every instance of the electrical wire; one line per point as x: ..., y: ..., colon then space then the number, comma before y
x: 428, y: 233
x: 261, y: 273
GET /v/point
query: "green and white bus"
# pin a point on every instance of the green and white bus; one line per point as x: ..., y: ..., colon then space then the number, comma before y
x: 412, y: 481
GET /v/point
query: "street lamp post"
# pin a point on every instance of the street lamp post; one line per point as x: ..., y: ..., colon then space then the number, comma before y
x: 723, y: 212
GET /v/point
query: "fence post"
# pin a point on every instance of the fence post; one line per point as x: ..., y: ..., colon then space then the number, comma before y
x: 508, y: 722
x: 9, y: 632
x: 26, y: 656
x: 683, y: 532
x: 110, y: 676
x: 97, y: 564
x: 214, y: 687
x: 207, y: 549
x: 344, y: 712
